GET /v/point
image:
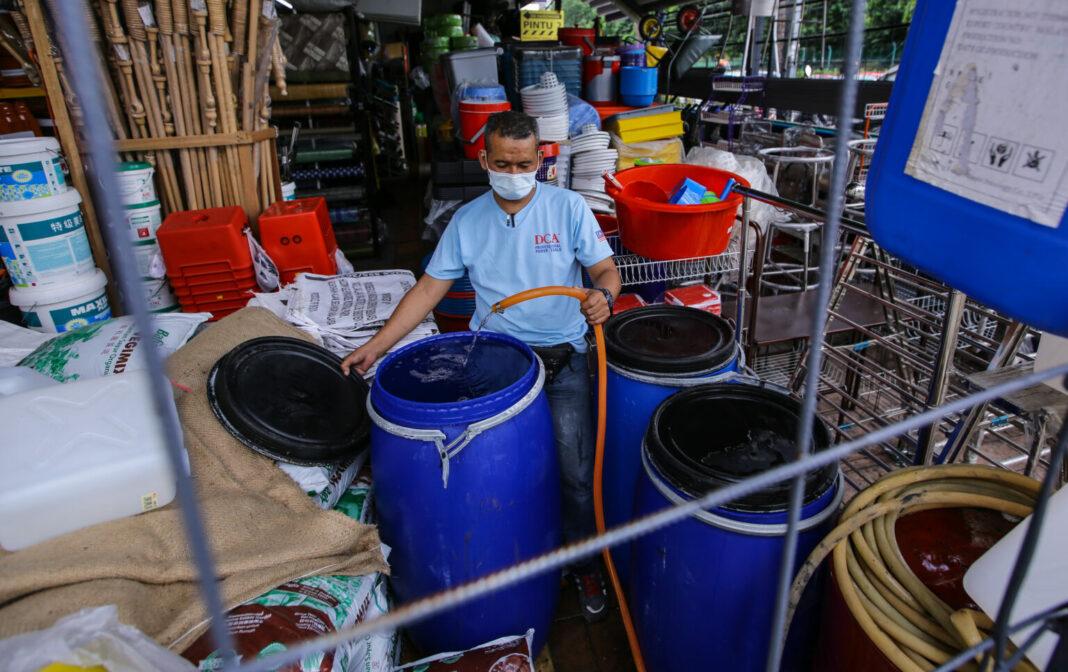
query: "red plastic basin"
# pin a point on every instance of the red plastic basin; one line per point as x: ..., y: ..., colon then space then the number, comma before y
x: 663, y: 231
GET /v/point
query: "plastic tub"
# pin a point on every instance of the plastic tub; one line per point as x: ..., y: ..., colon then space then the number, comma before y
x: 632, y: 55
x: 143, y: 220
x: 43, y: 240
x: 62, y: 307
x: 653, y: 352
x: 492, y: 502
x: 31, y: 168
x: 473, y: 118
x: 473, y: 65
x: 583, y: 38
x: 637, y: 86
x: 703, y: 590
x: 662, y: 231
x: 135, y: 183
x: 599, y: 79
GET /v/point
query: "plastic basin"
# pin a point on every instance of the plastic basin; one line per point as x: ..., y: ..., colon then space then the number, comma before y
x: 663, y: 231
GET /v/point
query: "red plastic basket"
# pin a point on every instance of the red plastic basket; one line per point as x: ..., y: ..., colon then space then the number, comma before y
x: 663, y: 231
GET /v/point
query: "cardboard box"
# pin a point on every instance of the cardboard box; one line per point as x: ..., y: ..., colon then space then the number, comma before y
x: 701, y: 297
x: 540, y: 26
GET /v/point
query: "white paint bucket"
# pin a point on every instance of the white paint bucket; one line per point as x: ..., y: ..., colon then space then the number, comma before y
x: 62, y: 307
x: 135, y: 182
x: 143, y: 220
x: 31, y: 168
x: 149, y: 260
x: 289, y: 191
x: 158, y: 295
x: 43, y: 241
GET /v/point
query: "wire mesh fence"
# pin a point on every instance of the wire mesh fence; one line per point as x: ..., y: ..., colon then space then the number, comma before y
x: 876, y: 413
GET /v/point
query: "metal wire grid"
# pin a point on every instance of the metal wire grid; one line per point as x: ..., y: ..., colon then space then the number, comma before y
x: 637, y: 270
x: 70, y: 20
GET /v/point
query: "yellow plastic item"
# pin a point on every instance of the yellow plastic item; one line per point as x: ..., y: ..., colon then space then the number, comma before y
x: 539, y: 25
x: 644, y: 128
x: 652, y: 151
x: 653, y: 54
x: 63, y: 667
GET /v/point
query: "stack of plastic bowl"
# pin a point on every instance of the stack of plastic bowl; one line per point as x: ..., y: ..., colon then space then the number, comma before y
x: 547, y: 103
x: 590, y: 159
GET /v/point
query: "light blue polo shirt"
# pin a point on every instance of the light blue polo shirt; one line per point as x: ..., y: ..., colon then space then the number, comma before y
x: 548, y: 242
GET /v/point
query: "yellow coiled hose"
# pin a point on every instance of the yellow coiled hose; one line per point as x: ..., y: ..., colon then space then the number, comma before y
x: 912, y: 626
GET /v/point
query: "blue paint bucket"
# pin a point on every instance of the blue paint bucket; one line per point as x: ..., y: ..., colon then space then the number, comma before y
x: 653, y: 352
x: 637, y: 86
x: 703, y: 591
x: 466, y: 481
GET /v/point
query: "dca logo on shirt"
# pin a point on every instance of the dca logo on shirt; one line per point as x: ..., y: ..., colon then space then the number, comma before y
x: 546, y: 242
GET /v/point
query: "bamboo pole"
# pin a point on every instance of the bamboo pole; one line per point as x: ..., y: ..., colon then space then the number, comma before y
x: 210, y: 107
x: 179, y: 10
x: 216, y: 40
x: 194, y: 198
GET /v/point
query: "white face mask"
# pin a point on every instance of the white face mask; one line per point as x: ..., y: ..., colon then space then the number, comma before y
x: 512, y: 186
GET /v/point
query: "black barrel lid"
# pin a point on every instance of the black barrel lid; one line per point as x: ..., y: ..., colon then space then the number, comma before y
x: 288, y: 399
x: 669, y: 339
x: 710, y: 436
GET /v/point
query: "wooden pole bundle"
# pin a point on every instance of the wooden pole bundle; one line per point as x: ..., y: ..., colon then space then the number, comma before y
x: 187, y: 87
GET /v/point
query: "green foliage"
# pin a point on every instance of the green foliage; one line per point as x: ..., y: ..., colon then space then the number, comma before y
x: 579, y: 14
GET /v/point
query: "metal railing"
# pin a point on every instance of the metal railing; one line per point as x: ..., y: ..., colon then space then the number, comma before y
x: 70, y: 16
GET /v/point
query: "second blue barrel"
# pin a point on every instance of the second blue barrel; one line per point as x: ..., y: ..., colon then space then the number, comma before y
x: 466, y: 481
x: 653, y: 352
x: 703, y: 591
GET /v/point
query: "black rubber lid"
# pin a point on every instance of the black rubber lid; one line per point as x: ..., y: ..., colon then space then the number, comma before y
x: 669, y: 339
x: 710, y: 436
x: 288, y: 399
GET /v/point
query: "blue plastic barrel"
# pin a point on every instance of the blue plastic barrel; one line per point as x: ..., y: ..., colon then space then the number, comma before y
x: 703, y: 591
x: 653, y: 352
x: 466, y: 481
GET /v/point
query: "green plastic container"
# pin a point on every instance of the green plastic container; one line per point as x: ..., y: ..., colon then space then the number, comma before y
x: 464, y: 43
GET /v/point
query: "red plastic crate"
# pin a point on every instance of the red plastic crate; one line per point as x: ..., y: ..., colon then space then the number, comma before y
x: 627, y: 301
x: 200, y: 242
x: 211, y: 297
x: 299, y: 237
x: 213, y: 306
x: 701, y: 297
x: 233, y: 279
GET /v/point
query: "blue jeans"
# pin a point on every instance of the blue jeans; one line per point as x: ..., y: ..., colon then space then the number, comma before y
x: 573, y: 428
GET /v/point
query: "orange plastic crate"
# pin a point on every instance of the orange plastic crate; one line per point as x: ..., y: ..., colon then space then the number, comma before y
x: 299, y: 237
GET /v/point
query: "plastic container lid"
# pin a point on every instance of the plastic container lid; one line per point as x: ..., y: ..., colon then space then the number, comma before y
x: 711, y: 436
x: 16, y: 146
x: 288, y: 399
x: 669, y: 339
x: 63, y: 200
x: 42, y: 295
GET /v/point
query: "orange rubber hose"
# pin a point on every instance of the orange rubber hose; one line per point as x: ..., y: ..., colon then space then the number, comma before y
x: 598, y: 465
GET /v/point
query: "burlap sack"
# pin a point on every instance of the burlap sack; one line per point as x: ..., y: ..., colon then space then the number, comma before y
x: 263, y: 529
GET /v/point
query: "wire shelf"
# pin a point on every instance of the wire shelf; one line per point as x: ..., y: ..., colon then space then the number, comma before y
x: 638, y: 270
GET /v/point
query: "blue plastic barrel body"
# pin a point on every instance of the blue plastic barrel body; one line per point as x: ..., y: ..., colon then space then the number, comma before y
x: 493, y: 503
x: 702, y: 591
x: 632, y: 398
x: 1009, y: 263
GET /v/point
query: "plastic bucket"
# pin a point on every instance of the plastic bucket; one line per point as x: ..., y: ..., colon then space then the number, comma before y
x: 584, y: 38
x: 135, y: 183
x: 632, y: 55
x: 473, y: 118
x: 158, y: 295
x: 663, y: 231
x: 466, y: 482
x: 289, y: 191
x: 653, y: 352
x: 31, y: 168
x: 143, y: 220
x: 43, y: 240
x: 62, y: 307
x: 637, y: 86
x: 703, y: 591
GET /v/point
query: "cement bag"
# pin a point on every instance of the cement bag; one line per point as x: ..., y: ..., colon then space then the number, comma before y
x: 507, y: 654
x: 295, y: 611
x: 110, y: 347
x: 749, y: 167
x: 17, y: 342
x: 91, y: 638
x: 652, y: 151
x: 326, y: 485
x: 379, y: 652
x: 357, y: 502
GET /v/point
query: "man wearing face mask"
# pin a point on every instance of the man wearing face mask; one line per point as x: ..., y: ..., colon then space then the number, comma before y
x: 522, y: 235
